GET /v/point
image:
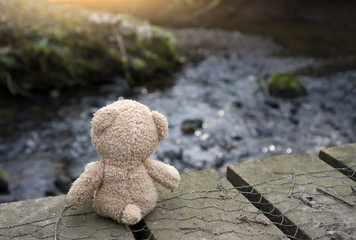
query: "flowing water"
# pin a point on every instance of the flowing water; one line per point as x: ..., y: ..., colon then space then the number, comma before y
x: 45, y: 142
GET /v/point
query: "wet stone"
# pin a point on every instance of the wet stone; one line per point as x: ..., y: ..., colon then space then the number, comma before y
x: 191, y: 125
x: 294, y: 108
x: 236, y: 137
x: 238, y: 104
x: 209, y: 143
x: 219, y: 162
x: 170, y: 156
x: 271, y: 102
x: 227, y: 145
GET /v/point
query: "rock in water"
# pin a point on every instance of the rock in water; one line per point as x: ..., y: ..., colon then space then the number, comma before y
x: 273, y: 103
x: 285, y: 85
x: 191, y: 125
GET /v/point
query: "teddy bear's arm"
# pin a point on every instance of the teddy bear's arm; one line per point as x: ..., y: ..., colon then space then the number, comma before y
x: 84, y: 187
x: 162, y: 173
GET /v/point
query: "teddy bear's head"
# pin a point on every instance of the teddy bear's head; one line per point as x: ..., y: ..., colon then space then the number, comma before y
x: 127, y: 131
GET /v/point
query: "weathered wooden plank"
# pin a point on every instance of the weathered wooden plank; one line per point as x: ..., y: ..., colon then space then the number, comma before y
x: 285, y: 188
x: 343, y: 157
x: 37, y: 219
x: 207, y: 206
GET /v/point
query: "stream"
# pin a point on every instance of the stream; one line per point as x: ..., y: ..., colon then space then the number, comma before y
x: 45, y: 141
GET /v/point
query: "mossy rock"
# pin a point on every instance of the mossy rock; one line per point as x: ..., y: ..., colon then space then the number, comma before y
x: 285, y: 85
x: 45, y: 45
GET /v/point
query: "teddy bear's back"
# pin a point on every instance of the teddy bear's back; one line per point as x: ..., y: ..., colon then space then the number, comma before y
x: 122, y: 186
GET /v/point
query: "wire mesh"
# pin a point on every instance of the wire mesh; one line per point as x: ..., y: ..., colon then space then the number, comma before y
x: 294, y: 206
x: 301, y: 206
x: 49, y: 218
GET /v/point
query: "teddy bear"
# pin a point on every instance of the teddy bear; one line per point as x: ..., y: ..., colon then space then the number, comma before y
x: 125, y: 134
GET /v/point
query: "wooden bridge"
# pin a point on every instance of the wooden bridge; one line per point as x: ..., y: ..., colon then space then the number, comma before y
x: 285, y: 197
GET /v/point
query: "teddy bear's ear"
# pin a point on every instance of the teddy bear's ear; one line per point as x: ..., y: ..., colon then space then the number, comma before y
x: 161, y: 124
x: 102, y: 119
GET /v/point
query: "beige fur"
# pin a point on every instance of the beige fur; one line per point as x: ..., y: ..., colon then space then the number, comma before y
x: 125, y: 133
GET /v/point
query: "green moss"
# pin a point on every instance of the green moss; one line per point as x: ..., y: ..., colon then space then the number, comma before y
x: 44, y: 46
x: 285, y: 85
x: 138, y: 64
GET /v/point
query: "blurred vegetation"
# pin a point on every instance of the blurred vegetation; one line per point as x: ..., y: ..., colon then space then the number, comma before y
x: 285, y: 85
x: 56, y: 45
x: 318, y: 28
